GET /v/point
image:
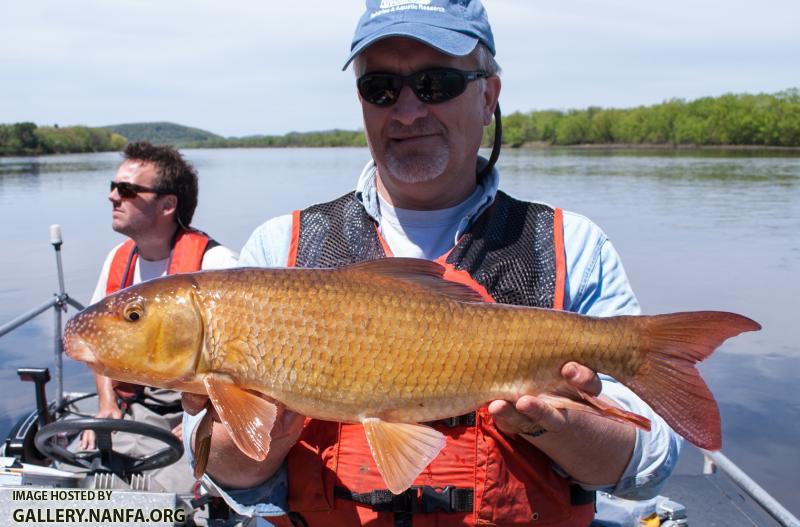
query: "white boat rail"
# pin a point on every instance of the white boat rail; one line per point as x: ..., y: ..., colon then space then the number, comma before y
x: 714, y: 460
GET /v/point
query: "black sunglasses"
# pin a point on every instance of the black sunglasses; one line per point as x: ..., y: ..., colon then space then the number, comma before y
x: 431, y: 86
x: 131, y: 190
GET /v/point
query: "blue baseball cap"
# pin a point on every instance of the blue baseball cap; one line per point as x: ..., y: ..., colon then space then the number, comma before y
x: 453, y: 27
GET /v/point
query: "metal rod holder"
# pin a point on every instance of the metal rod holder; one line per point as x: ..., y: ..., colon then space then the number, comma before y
x: 33, y: 313
x: 59, y: 303
x: 58, y: 343
x: 74, y: 303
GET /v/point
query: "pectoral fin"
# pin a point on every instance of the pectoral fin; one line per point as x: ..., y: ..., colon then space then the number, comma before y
x: 247, y: 417
x: 202, y: 443
x: 401, y: 450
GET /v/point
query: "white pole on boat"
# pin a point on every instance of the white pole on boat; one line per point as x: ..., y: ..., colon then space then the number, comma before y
x: 713, y: 460
x: 56, y: 241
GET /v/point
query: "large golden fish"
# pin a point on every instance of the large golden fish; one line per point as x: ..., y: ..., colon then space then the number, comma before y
x: 388, y: 344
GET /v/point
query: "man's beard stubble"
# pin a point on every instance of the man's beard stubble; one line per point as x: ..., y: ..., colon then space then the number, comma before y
x: 417, y: 165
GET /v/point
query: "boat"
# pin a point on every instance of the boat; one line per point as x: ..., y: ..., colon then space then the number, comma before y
x: 43, y: 480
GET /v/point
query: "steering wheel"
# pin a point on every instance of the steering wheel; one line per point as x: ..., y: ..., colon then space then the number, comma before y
x: 105, y: 458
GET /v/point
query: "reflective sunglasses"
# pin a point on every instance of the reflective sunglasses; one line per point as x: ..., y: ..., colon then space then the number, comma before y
x: 131, y: 190
x: 431, y: 86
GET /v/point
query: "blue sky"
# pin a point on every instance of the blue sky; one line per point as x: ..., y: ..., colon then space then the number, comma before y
x: 246, y: 67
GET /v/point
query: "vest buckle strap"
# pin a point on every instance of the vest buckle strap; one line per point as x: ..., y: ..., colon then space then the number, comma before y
x: 382, y: 500
x: 452, y: 422
x: 445, y: 499
x: 422, y: 499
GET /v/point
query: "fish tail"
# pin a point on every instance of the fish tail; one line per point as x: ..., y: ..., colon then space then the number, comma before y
x: 667, y: 378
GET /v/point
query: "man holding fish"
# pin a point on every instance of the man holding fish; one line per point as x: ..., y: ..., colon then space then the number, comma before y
x: 428, y: 84
x: 441, y: 337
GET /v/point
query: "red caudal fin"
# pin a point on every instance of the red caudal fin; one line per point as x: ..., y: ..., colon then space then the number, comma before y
x: 668, y: 380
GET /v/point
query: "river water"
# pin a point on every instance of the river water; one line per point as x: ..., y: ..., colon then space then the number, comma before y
x: 699, y: 231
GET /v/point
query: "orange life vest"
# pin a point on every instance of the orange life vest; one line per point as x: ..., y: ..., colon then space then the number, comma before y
x: 481, y: 477
x: 186, y: 256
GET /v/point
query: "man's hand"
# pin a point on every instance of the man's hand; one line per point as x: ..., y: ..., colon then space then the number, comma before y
x: 88, y: 438
x: 177, y: 431
x: 531, y: 414
x: 227, y: 464
x: 591, y: 448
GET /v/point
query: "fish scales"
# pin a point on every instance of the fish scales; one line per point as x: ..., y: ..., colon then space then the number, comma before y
x: 360, y: 348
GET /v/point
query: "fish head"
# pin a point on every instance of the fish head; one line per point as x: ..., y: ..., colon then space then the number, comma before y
x: 150, y: 333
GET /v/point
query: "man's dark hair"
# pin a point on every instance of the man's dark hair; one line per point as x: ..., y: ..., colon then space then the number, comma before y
x: 175, y: 175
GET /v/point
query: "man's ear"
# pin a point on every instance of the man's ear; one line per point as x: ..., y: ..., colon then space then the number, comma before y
x: 169, y: 204
x: 490, y: 96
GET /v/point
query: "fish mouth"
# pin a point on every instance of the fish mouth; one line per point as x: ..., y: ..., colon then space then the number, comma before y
x: 78, y: 349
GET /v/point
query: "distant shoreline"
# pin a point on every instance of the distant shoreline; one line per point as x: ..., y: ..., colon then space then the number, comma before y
x: 791, y: 151
x: 658, y: 146
x: 599, y: 147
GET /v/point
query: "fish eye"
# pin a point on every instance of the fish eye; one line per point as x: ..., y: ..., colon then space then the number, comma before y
x: 133, y: 311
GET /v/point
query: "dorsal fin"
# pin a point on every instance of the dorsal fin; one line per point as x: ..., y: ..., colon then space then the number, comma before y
x: 417, y: 272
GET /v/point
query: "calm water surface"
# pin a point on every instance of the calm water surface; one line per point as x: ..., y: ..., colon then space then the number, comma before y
x: 695, y: 232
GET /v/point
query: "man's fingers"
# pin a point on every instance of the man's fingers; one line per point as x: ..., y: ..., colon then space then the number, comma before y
x: 541, y: 414
x: 535, y: 414
x: 582, y: 378
x: 87, y: 440
x: 193, y: 403
x: 528, y: 415
x: 504, y: 416
x: 293, y: 421
x: 288, y: 423
x: 178, y: 431
x: 508, y: 419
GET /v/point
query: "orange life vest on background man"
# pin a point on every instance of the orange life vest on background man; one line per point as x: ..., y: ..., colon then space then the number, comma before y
x: 513, y: 253
x: 186, y: 256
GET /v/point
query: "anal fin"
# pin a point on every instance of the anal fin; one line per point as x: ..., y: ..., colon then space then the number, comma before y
x: 615, y: 413
x: 594, y: 405
x: 401, y: 450
x: 247, y: 417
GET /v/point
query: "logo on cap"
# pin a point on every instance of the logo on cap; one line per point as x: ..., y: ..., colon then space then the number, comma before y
x: 390, y: 6
x: 386, y: 4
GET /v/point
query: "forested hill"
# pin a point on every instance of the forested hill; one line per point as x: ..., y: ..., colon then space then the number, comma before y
x: 163, y: 133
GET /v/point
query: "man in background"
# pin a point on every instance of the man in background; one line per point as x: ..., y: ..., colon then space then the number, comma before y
x: 153, y: 197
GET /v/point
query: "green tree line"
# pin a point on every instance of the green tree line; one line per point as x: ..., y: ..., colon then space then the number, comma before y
x: 731, y: 119
x: 294, y: 139
x: 22, y: 139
